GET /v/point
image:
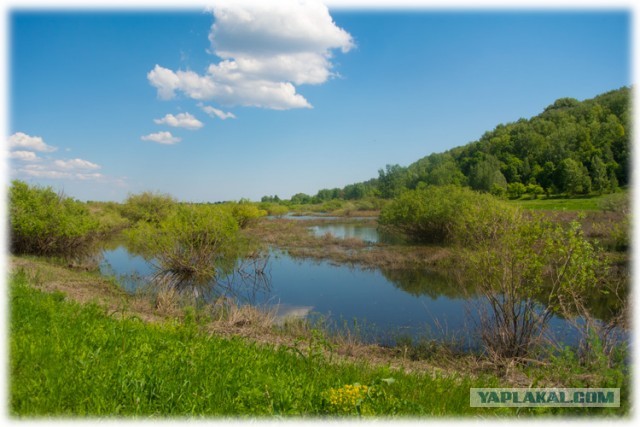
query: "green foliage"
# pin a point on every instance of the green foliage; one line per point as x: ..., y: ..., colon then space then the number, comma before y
x: 148, y: 207
x: 446, y: 214
x: 108, y: 216
x: 617, y: 202
x: 573, y: 178
x: 392, y: 180
x: 43, y: 222
x: 573, y: 147
x: 485, y: 175
x: 246, y: 213
x: 192, y: 243
x: 530, y: 270
x: 274, y: 209
x: 301, y: 199
x: 515, y: 190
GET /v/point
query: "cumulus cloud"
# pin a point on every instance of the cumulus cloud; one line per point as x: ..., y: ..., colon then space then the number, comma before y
x: 26, y: 156
x: 63, y: 169
x: 214, y: 112
x: 266, y: 49
x: 161, y: 138
x: 32, y: 166
x: 42, y: 172
x: 36, y: 143
x: 182, y: 120
x: 75, y: 164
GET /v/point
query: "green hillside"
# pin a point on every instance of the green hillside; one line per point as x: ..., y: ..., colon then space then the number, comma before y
x: 573, y: 147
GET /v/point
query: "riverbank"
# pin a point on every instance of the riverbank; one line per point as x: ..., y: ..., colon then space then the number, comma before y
x: 50, y: 301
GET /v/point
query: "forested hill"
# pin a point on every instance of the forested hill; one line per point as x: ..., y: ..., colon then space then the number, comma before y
x: 572, y: 147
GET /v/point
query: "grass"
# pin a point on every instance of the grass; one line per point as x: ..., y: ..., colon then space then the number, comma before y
x: 583, y: 203
x: 73, y: 360
x: 68, y: 360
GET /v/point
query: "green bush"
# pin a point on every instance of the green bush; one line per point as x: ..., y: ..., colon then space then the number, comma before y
x: 447, y: 214
x: 108, y: 216
x: 43, y: 222
x: 191, y: 244
x: 245, y: 213
x: 147, y: 207
x: 274, y: 209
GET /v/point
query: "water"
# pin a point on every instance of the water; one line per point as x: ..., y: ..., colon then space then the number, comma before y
x: 384, y: 304
x: 314, y: 217
x: 366, y: 233
x: 346, y: 231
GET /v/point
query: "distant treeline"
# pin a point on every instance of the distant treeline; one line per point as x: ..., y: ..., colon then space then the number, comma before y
x: 573, y: 147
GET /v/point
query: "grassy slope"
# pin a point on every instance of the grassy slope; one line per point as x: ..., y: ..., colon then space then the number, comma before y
x: 68, y: 359
x: 71, y: 359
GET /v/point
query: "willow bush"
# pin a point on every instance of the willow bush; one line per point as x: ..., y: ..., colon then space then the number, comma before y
x: 43, y: 222
x: 193, y: 244
x: 147, y: 207
x: 448, y: 214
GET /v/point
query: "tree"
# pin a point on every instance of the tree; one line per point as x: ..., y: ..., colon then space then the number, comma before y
x: 392, y: 180
x: 573, y: 177
x: 301, y: 199
x: 599, y: 176
x: 485, y: 174
x: 515, y: 190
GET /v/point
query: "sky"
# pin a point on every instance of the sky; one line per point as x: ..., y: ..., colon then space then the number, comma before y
x: 241, y: 100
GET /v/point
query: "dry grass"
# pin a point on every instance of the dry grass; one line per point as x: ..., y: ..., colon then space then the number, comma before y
x: 295, y: 237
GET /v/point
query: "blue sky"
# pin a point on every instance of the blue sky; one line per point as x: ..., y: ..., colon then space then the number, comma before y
x: 115, y: 102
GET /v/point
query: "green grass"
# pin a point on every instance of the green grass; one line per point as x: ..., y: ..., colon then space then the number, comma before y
x: 68, y: 359
x: 589, y: 203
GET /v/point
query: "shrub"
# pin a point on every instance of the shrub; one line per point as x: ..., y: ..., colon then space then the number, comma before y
x: 447, y: 214
x: 108, y: 216
x: 515, y: 190
x: 535, y: 269
x: 274, y: 209
x: 43, y: 222
x: 616, y: 202
x: 147, y: 207
x: 245, y: 213
x: 191, y: 245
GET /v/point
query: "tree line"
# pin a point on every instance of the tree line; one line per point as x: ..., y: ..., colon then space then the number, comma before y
x: 573, y: 147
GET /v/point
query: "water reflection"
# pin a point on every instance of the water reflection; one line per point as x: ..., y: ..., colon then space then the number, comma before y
x: 391, y: 302
x: 366, y: 233
x: 429, y: 283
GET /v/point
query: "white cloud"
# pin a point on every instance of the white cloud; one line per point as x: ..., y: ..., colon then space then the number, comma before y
x: 267, y: 48
x: 90, y: 176
x: 75, y: 164
x: 33, y: 166
x: 182, y: 120
x: 161, y: 138
x: 45, y: 173
x: 22, y: 140
x: 27, y: 156
x: 214, y: 112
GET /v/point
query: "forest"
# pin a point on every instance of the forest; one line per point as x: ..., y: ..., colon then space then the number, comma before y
x: 572, y: 148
